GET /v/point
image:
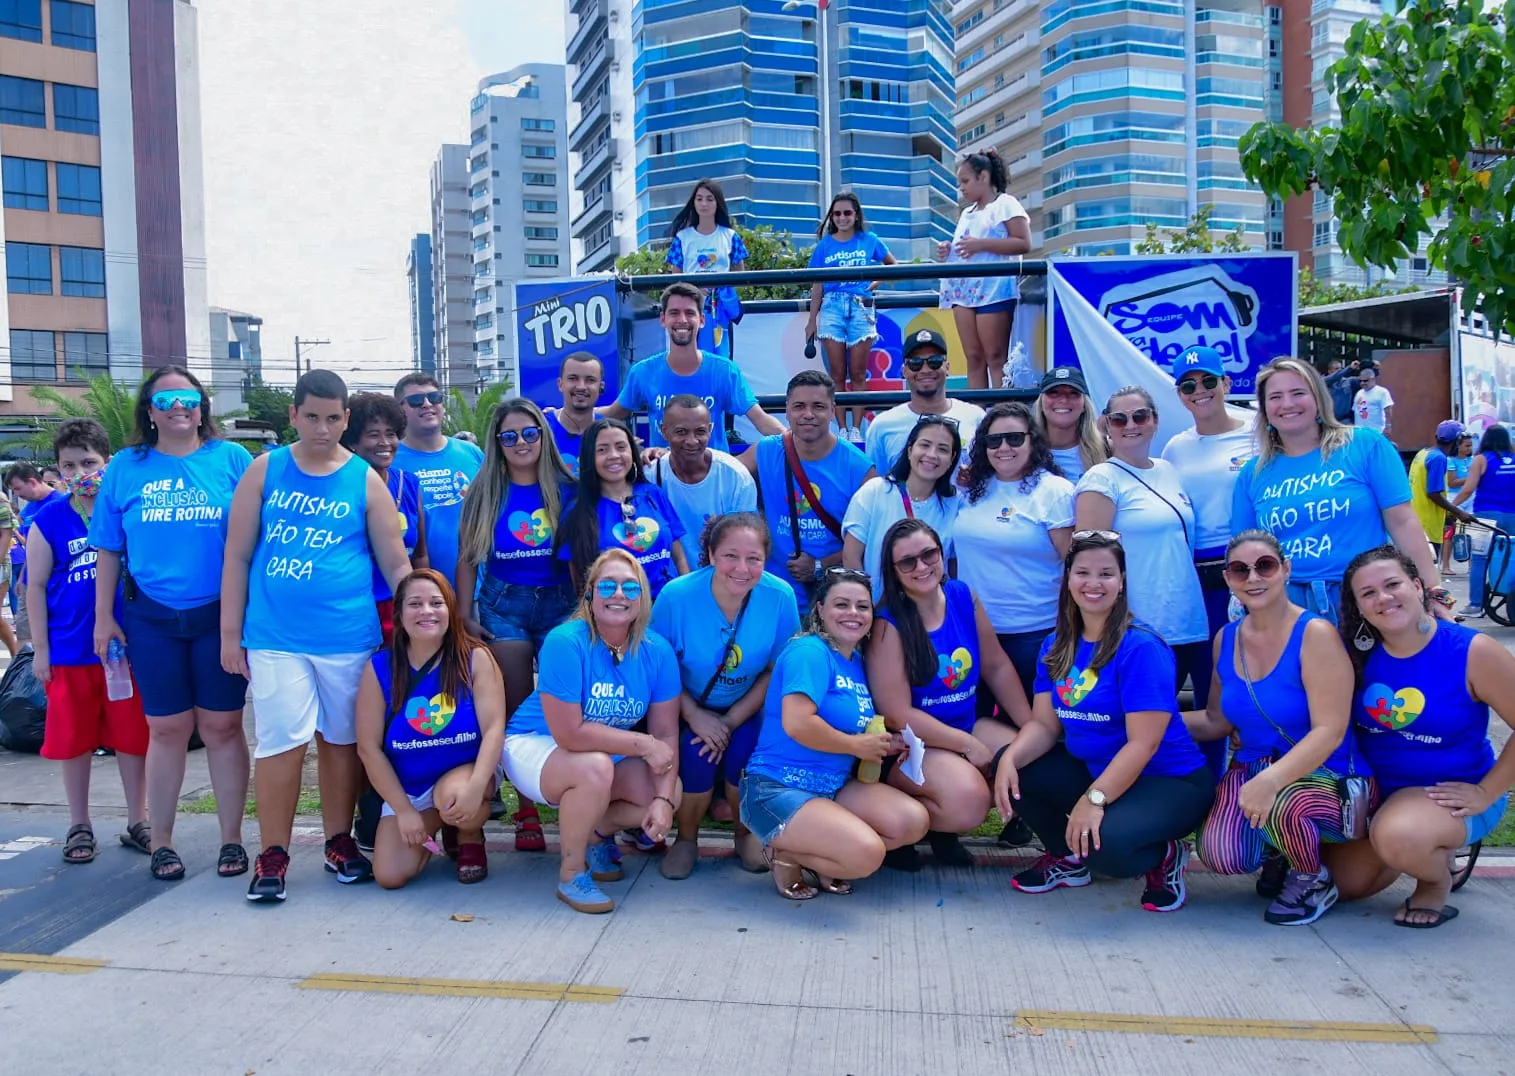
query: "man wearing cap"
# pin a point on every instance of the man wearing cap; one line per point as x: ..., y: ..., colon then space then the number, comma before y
x: 926, y: 376
x: 1428, y: 484
x: 1068, y: 421
x: 1373, y: 405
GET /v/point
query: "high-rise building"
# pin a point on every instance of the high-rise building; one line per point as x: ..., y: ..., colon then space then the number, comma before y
x: 781, y: 103
x: 423, y: 340
x: 517, y: 201
x: 100, y: 135
x: 236, y: 356
x: 452, y: 270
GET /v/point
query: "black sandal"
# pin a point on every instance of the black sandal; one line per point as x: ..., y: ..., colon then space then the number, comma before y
x: 79, y: 845
x: 138, y: 836
x: 232, y: 862
x: 167, y: 866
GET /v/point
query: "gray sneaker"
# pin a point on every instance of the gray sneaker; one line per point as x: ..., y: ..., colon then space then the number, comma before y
x: 1305, y: 898
x: 1471, y: 610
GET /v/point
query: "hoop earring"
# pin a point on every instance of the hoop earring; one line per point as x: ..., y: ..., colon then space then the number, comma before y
x: 1363, y: 640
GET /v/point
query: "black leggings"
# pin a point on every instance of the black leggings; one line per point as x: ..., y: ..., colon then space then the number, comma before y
x: 1137, y: 827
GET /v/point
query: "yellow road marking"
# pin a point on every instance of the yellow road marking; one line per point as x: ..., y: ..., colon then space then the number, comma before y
x: 61, y: 965
x: 466, y: 988
x: 1319, y: 1031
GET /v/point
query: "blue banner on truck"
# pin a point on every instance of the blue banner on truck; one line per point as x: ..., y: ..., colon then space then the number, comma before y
x: 554, y: 319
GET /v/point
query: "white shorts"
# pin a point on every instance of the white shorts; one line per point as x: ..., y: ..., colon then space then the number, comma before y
x: 526, y: 755
x: 295, y: 696
x: 424, y: 801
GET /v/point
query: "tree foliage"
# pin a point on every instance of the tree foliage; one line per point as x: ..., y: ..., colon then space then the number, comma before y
x: 766, y: 249
x: 474, y: 415
x: 1196, y: 238
x: 111, y: 403
x: 1426, y: 146
x: 266, y: 403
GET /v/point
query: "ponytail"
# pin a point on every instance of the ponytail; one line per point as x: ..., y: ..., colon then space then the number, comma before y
x: 989, y: 161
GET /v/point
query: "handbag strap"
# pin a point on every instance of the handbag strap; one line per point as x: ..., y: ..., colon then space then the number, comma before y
x: 792, y: 461
x: 790, y: 501
x: 905, y: 496
x: 1182, y: 521
x: 720, y: 666
x: 1246, y: 676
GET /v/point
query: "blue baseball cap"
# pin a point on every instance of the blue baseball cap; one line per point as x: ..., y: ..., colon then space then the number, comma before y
x: 1199, y: 360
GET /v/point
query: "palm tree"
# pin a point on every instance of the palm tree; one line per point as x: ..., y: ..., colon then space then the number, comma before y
x: 474, y: 417
x: 110, y: 403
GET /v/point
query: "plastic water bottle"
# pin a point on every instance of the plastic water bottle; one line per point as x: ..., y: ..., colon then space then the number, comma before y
x: 869, y: 772
x: 118, y: 672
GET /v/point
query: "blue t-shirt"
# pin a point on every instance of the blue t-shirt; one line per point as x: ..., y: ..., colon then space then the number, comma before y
x: 650, y: 537
x: 26, y: 513
x: 432, y: 734
x: 651, y: 383
x: 406, y: 492
x: 584, y: 673
x: 864, y: 248
x: 154, y: 505
x: 838, y: 686
x: 569, y: 444
x: 71, y: 587
x: 1415, y: 720
x: 833, y: 480
x: 686, y: 614
x: 952, y: 695
x: 522, y: 553
x: 1093, y: 704
x: 1495, y: 492
x: 444, y: 476
x: 1323, y: 513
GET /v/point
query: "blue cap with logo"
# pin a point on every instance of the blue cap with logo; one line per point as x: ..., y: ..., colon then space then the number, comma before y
x: 1199, y: 360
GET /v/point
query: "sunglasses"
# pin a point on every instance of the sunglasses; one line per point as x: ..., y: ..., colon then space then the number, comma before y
x: 843, y: 213
x: 1190, y: 385
x: 1266, y: 567
x: 849, y: 573
x: 421, y: 399
x: 530, y: 434
x: 168, y: 399
x: 930, y: 559
x: 1140, y: 417
x: 630, y: 589
x: 628, y: 511
x: 1096, y: 536
x: 1014, y: 439
x: 936, y: 362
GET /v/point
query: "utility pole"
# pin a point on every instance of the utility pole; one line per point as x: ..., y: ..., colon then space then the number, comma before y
x: 300, y: 354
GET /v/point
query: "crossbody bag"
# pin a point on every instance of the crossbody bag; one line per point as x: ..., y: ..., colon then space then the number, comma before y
x: 720, y: 666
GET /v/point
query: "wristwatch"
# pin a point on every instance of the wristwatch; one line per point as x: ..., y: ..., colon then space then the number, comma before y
x: 1096, y: 797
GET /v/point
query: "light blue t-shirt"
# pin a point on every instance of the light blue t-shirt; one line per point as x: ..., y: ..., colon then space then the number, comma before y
x: 444, y: 476
x: 1323, y: 512
x: 167, y: 516
x: 864, y: 248
x: 686, y: 614
x: 651, y: 383
x: 583, y: 672
x: 834, y: 480
x: 838, y: 686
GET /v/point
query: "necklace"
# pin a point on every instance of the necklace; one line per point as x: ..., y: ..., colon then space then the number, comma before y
x: 75, y: 501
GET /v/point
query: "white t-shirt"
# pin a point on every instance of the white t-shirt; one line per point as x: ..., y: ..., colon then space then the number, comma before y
x: 1070, y: 461
x: 728, y: 487
x: 878, y: 506
x: 1368, y: 407
x: 1005, y: 552
x: 1207, y: 465
x: 1161, y: 583
x: 889, y: 431
x: 991, y: 222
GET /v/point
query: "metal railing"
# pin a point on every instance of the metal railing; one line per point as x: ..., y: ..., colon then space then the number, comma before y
x: 779, y: 278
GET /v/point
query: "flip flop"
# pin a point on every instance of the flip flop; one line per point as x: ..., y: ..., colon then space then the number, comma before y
x: 1446, y: 914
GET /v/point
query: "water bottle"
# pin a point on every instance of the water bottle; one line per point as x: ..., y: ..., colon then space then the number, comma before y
x: 869, y: 772
x: 118, y: 672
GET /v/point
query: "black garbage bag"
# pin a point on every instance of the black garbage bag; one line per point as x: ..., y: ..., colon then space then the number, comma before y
x: 23, y: 706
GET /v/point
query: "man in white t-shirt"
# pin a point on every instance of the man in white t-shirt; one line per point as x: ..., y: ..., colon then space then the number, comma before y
x: 699, y: 481
x: 1373, y: 405
x: 926, y: 377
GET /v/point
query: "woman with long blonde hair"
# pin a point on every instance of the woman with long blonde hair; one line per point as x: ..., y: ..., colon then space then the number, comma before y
x: 1066, y: 416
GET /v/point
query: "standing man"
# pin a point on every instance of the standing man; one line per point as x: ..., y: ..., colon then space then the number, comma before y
x: 926, y: 377
x: 1373, y: 405
x: 685, y: 369
x: 298, y: 619
x: 443, y: 465
x: 581, y: 377
x: 699, y: 481
x: 1342, y: 381
x: 25, y: 481
x: 1430, y: 493
x: 806, y: 478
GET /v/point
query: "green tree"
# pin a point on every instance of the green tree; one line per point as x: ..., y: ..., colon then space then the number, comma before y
x: 111, y: 403
x: 265, y: 403
x: 474, y: 416
x: 1196, y: 238
x: 766, y: 249
x: 1426, y: 146
x: 1313, y: 293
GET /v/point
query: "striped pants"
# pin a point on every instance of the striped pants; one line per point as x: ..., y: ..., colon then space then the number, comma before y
x: 1305, y: 815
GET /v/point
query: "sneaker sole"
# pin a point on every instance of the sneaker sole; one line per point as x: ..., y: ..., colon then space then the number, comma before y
x: 348, y: 879
x: 1075, y: 882
x: 588, y: 909
x: 265, y: 898
x: 608, y: 876
x: 1332, y: 896
x: 1181, y: 891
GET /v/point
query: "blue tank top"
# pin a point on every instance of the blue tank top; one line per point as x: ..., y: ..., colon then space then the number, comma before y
x: 432, y: 734
x: 1284, y: 700
x: 951, y: 696
x: 71, y: 586
x: 405, y: 488
x: 1496, y: 489
x: 1416, y: 723
x: 310, y: 585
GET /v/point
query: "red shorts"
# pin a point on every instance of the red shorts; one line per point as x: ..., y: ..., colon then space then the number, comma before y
x: 387, y: 619
x: 80, y: 718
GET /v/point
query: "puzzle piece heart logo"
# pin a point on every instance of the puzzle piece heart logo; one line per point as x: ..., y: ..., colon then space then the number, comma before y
x: 1076, y: 686
x: 430, y: 716
x: 953, y: 668
x: 733, y: 659
x: 1393, y: 709
x: 530, y: 528
x: 802, y: 502
x: 639, y: 536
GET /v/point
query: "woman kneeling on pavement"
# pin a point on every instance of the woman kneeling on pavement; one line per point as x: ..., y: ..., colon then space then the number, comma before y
x: 574, y: 743
x: 932, y: 644
x: 1128, y: 784
x: 1424, y: 691
x: 1283, y: 685
x: 819, y: 827
x: 431, y: 734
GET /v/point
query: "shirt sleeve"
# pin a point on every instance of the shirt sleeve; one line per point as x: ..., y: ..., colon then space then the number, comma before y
x: 738, y: 247
x: 860, y: 512
x: 675, y: 256
x: 105, y: 529
x: 1243, y: 508
x: 1388, y: 397
x: 1043, y: 677
x: 1436, y: 472
x: 564, y: 662
x: 1058, y: 504
x: 666, y: 682
x: 880, y: 250
x: 818, y: 253
x: 1146, y: 673
x: 7, y: 517
x: 1381, y: 469
x: 739, y: 397
x: 745, y: 497
x: 633, y: 395
x: 787, y: 620
x: 659, y: 501
x: 1099, y: 479
x: 665, y: 619
x: 802, y: 670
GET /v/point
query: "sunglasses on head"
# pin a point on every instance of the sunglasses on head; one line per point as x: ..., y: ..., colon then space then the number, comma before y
x: 1190, y: 385
x: 630, y: 589
x: 168, y: 399
x: 930, y: 558
x: 849, y: 573
x: 1140, y: 417
x: 915, y: 362
x: 1096, y: 536
x: 1013, y: 438
x: 1266, y: 567
x: 421, y: 399
x: 530, y: 434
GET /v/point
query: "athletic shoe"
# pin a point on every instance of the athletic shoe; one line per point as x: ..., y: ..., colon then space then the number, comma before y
x: 1471, y: 610
x: 639, y: 840
x: 1270, y: 880
x: 1166, y: 890
x: 907, y: 859
x: 582, y: 895
x: 1016, y: 833
x: 947, y: 849
x: 1051, y: 872
x: 268, y: 875
x: 604, y: 860
x: 1305, y: 898
x: 345, y: 860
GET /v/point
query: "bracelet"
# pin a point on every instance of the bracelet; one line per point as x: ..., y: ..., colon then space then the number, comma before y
x: 666, y: 800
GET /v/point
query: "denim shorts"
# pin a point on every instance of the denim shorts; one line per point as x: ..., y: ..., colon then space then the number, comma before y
x: 1001, y: 307
x: 1480, y: 826
x: 768, y: 805
x: 512, y: 612
x: 176, y: 658
x: 846, y: 318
